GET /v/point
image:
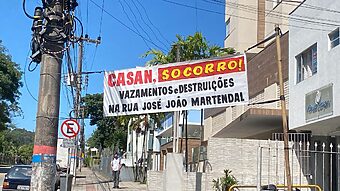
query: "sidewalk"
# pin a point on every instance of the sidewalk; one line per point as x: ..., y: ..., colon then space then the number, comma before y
x: 94, y: 181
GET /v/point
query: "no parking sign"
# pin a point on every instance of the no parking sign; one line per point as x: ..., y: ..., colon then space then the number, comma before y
x: 70, y: 128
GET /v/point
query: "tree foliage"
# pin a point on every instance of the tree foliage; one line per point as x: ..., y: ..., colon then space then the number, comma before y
x: 111, y: 131
x: 17, y: 142
x: 10, y: 77
x: 193, y: 47
x: 225, y: 182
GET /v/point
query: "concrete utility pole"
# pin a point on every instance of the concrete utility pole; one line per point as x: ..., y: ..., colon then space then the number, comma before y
x: 77, y: 108
x: 46, y: 134
x: 283, y: 109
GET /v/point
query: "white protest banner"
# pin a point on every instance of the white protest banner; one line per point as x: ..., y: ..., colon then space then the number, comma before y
x: 198, y: 84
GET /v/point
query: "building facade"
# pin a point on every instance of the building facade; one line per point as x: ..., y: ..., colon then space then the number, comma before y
x: 315, y: 85
x: 255, y: 121
x: 251, y: 21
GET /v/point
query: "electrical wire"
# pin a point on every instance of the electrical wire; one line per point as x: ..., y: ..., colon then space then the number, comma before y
x: 313, y: 7
x: 70, y: 70
x: 99, y: 35
x: 150, y: 28
x: 133, y: 24
x: 25, y: 80
x: 126, y: 26
x: 148, y: 18
x: 87, y: 16
x: 66, y: 89
x: 241, y: 17
x: 101, y: 18
x: 276, y: 14
x: 137, y: 19
x: 93, y: 57
x: 24, y: 9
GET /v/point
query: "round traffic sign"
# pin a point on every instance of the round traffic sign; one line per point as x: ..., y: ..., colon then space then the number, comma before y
x: 70, y: 128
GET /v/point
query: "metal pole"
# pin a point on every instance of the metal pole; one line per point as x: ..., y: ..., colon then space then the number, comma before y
x: 283, y: 109
x: 202, y: 126
x: 82, y: 139
x: 68, y: 167
x: 259, y: 168
x: 46, y: 134
x: 175, y: 141
x: 186, y: 141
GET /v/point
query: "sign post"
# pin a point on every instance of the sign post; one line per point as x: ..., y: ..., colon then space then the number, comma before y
x: 70, y: 129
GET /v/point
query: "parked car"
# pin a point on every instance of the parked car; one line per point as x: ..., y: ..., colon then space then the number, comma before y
x: 19, y: 178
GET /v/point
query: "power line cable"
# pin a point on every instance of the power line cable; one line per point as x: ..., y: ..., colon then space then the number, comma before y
x: 25, y: 80
x: 87, y: 16
x: 126, y: 26
x: 150, y: 28
x: 276, y: 14
x: 101, y: 18
x: 241, y: 17
x: 147, y: 16
x: 65, y: 89
x: 133, y: 25
x: 313, y: 7
x: 134, y: 15
x: 99, y: 35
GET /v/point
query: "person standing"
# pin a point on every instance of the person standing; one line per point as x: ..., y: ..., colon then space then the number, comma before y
x: 116, y: 166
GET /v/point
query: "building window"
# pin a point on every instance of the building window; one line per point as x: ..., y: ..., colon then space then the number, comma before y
x: 334, y: 38
x: 306, y: 63
x: 227, y: 27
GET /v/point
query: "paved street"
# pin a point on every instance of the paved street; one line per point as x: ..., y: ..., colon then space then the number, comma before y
x: 93, y: 181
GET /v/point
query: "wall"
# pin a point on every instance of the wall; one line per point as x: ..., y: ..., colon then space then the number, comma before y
x: 328, y: 68
x: 243, y: 32
x: 262, y: 86
x: 240, y: 156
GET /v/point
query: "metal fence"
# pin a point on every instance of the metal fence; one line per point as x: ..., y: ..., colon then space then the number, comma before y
x: 313, y: 160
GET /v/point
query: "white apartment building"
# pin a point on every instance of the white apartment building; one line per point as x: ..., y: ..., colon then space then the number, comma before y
x: 314, y: 79
x: 314, y: 82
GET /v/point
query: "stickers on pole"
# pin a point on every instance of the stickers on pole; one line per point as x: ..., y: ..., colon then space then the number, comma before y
x: 70, y: 128
x: 209, y: 83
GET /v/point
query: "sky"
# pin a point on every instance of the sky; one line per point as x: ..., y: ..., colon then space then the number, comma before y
x: 121, y: 48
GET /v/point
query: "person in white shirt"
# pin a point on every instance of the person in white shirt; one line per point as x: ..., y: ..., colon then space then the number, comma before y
x: 116, y: 166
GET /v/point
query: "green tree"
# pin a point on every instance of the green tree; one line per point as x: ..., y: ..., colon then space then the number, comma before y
x: 10, y: 77
x: 15, y: 142
x: 111, y: 131
x: 193, y: 47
